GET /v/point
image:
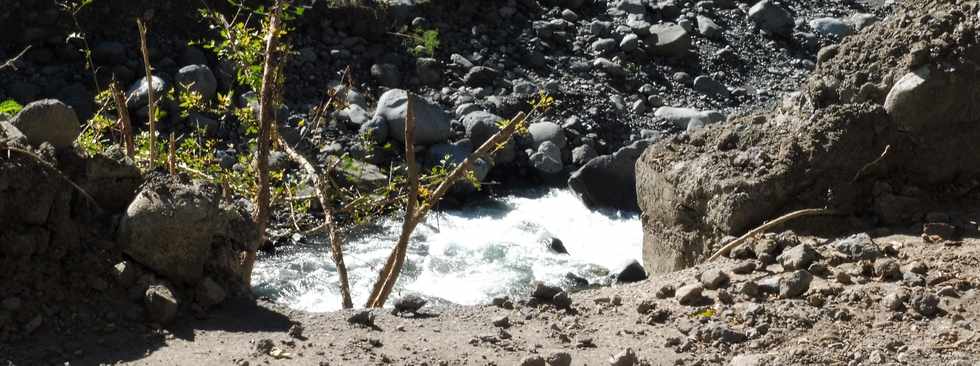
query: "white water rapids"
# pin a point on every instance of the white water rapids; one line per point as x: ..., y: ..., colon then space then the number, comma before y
x: 464, y: 256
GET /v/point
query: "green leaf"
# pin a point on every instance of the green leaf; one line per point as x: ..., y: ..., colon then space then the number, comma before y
x: 10, y: 107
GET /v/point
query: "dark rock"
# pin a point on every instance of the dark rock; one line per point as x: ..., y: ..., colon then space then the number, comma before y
x: 432, y: 123
x: 409, y: 304
x: 609, y: 181
x: 713, y: 279
x: 926, y: 304
x: 362, y: 317
x: 858, y: 247
x: 559, y: 358
x: 794, y: 284
x: 632, y: 271
x: 888, y: 269
x: 386, y: 75
x: 545, y: 292
x: 209, y: 293
x: 665, y: 291
x: 555, y: 245
x: 50, y: 121
x: 161, y: 304
x: 198, y: 79
x: 773, y: 18
x: 798, y: 257
x: 624, y: 358
x: 481, y: 76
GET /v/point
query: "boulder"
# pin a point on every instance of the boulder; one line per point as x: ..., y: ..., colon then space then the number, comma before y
x: 773, y: 18
x: 546, y: 131
x: 547, y: 159
x: 10, y: 134
x: 630, y: 271
x: 363, y: 175
x: 689, y: 118
x: 927, y: 97
x: 609, y: 181
x: 138, y: 95
x: 175, y: 227
x: 48, y: 120
x: 198, y: 79
x: 161, y: 304
x: 831, y: 27
x: 209, y: 293
x: 669, y: 40
x: 708, y: 28
x: 480, y: 126
x: 432, y: 123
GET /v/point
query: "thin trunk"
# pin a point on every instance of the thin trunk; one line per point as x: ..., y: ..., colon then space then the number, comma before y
x: 152, y: 106
x: 125, y: 125
x: 329, y: 226
x: 172, y: 155
x: 389, y: 275
x: 397, y: 257
x: 266, y: 108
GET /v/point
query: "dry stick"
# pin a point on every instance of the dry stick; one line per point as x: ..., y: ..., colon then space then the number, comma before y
x: 261, y: 216
x: 56, y: 170
x: 172, y: 155
x: 389, y: 274
x: 292, y: 210
x: 787, y: 217
x: 12, y: 63
x: 329, y: 225
x: 151, y: 92
x: 125, y: 125
x: 871, y: 164
x: 397, y: 258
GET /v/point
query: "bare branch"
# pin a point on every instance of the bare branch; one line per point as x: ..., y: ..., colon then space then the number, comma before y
x: 762, y: 228
x: 12, y: 63
x: 152, y: 106
x: 125, y: 125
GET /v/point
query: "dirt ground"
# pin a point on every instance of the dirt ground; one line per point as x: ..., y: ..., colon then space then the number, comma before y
x: 832, y: 323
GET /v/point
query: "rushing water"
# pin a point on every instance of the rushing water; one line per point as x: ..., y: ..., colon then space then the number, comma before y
x: 466, y: 256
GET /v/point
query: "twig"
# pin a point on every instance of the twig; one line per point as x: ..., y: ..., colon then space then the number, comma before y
x: 782, y: 219
x: 172, y: 155
x: 125, y: 125
x: 198, y: 172
x: 151, y: 94
x: 871, y: 164
x: 329, y: 225
x: 12, y: 63
x: 56, y: 170
x: 292, y: 211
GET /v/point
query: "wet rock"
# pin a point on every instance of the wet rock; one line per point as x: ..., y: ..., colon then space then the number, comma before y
x: 480, y: 126
x: 409, y: 304
x: 161, y: 304
x: 798, y: 257
x: 625, y: 358
x: 690, y: 295
x: 713, y: 279
x: 556, y: 246
x: 48, y: 120
x: 631, y: 271
x: 432, y: 124
x: 547, y: 159
x: 583, y: 154
x: 773, y: 18
x: 545, y: 292
x: 198, y: 79
x: 794, y: 284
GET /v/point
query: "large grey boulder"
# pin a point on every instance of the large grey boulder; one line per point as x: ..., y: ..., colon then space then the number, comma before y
x: 831, y: 27
x: 432, y: 123
x: 198, y: 79
x: 363, y: 175
x: 546, y: 131
x: 547, y: 159
x: 927, y: 98
x: 161, y: 304
x: 451, y: 155
x: 669, y: 40
x: 480, y: 126
x: 48, y: 120
x: 773, y: 18
x: 689, y: 118
x: 175, y: 226
x: 609, y: 181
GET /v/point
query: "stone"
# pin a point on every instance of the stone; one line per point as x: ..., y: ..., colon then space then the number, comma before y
x: 684, y: 118
x: 625, y: 358
x: 429, y: 71
x: 542, y: 291
x: 709, y: 28
x: 362, y: 317
x: 714, y: 279
x: 174, y: 226
x: 559, y: 358
x: 47, y: 120
x: 386, y: 75
x: 798, y: 257
x: 453, y: 155
x: 547, y: 159
x: 926, y: 304
x: 604, y: 45
x: 502, y: 321
x: 583, y: 154
x: 690, y: 295
x: 631, y: 271
x: 629, y: 43
x: 480, y: 126
x: 609, y: 181
x: 773, y: 18
x: 161, y: 304
x: 611, y: 68
x: 361, y: 174
x: 209, y: 293
x: 744, y: 267
x: 432, y: 123
x: 888, y: 269
x: 794, y: 284
x: 831, y: 27
x: 858, y: 247
x: 481, y: 76
x: 555, y: 245
x: 749, y: 360
x: 534, y: 360
x: 138, y: 94
x: 711, y: 87
x: 546, y: 131
x: 895, y: 300
x: 926, y: 97
x: 198, y: 79
x: 671, y: 40
x: 11, y: 134
x: 561, y: 300
x: 665, y: 291
x: 375, y: 130
x: 409, y: 304
x: 720, y: 333
x: 126, y: 273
